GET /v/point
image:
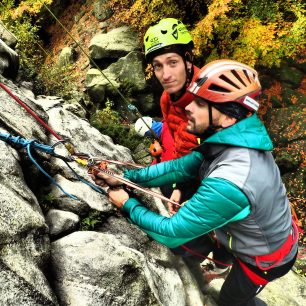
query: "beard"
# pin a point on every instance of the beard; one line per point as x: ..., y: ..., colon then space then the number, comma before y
x: 208, y: 132
x: 193, y: 129
x: 200, y: 132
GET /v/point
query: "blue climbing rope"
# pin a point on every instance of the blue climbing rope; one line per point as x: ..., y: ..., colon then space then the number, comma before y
x: 21, y: 142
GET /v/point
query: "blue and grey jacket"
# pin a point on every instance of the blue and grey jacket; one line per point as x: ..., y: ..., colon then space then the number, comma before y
x: 241, y: 195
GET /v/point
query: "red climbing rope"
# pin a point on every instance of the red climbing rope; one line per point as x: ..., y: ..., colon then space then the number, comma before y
x: 29, y: 110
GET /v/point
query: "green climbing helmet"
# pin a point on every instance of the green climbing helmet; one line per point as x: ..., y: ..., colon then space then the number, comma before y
x: 167, y: 32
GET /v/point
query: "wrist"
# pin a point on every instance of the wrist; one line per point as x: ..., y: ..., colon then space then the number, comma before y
x: 123, y: 202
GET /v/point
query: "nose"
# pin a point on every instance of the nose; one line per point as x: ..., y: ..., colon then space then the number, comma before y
x: 189, y: 107
x: 166, y: 73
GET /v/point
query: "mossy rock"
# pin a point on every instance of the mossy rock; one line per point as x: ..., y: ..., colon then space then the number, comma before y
x: 290, y: 157
x: 286, y: 125
x: 291, y: 75
x: 292, y: 97
x: 295, y: 183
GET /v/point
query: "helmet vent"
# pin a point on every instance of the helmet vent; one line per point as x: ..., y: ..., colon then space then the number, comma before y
x: 201, y: 81
x: 227, y: 80
x: 235, y: 73
x: 164, y: 31
x: 247, y: 76
x: 215, y: 87
x: 147, y: 38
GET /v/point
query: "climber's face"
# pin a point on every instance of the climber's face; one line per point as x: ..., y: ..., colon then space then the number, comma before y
x: 169, y: 69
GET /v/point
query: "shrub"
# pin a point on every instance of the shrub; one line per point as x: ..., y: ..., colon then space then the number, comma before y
x: 256, y: 32
x: 109, y: 122
x: 55, y: 80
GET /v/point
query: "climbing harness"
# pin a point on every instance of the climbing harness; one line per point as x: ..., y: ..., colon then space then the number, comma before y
x: 277, y: 256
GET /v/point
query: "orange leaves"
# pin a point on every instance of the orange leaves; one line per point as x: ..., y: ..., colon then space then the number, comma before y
x: 274, y: 90
x: 253, y: 32
x: 141, y: 14
x: 203, y: 31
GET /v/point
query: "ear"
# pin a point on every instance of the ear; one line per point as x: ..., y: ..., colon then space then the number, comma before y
x: 189, y: 66
x: 228, y: 121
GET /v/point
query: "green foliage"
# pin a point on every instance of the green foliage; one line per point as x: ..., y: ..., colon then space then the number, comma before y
x: 27, y: 36
x: 91, y: 222
x: 256, y: 32
x: 140, y: 14
x: 29, y: 7
x: 299, y: 267
x: 109, y: 122
x: 46, y: 201
x: 20, y: 18
x: 55, y: 80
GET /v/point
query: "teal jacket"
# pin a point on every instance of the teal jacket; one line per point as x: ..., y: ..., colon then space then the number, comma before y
x: 218, y: 200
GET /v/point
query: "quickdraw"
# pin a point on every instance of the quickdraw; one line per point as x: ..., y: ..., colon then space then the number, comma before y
x: 155, y: 148
x: 29, y: 145
x: 80, y: 158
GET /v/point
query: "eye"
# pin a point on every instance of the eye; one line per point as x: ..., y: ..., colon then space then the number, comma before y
x: 173, y: 62
x: 156, y: 66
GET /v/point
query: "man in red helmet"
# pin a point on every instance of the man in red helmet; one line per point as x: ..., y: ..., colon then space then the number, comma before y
x: 250, y: 218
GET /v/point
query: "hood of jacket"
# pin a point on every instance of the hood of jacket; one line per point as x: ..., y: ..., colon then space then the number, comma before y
x: 249, y: 133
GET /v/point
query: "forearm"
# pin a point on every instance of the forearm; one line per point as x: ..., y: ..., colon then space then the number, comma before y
x: 173, y: 171
x: 207, y: 210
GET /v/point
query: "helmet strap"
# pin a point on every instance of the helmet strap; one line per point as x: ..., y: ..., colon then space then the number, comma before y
x: 187, y: 57
x: 211, y: 128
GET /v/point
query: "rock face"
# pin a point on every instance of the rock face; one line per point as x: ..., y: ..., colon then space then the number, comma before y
x: 7, y: 37
x: 81, y: 268
x: 9, y: 60
x: 114, y: 44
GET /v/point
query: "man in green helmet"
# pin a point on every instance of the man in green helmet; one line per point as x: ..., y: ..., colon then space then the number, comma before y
x: 168, y: 48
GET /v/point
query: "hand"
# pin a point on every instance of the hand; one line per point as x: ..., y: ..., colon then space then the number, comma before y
x: 118, y: 197
x: 104, y: 180
x: 176, y: 197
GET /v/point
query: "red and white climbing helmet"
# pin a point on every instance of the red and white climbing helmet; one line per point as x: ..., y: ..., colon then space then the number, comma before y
x: 223, y: 81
